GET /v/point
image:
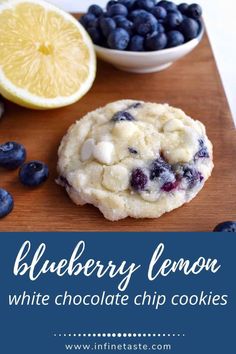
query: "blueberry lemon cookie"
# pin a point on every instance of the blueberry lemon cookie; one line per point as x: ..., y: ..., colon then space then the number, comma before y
x: 132, y: 158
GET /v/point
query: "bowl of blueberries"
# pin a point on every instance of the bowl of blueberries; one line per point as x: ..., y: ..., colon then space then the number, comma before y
x: 143, y: 36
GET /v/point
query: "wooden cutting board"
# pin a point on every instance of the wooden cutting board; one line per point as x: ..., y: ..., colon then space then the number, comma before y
x: 192, y: 84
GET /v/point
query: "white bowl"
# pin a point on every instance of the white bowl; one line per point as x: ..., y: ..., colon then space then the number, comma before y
x: 146, y: 62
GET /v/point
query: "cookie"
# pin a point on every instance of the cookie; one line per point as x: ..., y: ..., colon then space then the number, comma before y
x: 132, y: 158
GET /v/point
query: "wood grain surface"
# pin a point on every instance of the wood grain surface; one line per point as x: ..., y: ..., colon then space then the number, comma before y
x: 192, y: 84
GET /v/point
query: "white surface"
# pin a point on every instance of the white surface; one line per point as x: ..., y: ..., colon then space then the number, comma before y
x: 219, y: 16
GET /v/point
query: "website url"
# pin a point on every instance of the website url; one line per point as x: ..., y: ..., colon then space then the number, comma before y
x: 119, y: 346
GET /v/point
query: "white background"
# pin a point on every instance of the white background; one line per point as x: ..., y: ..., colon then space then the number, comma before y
x: 220, y: 18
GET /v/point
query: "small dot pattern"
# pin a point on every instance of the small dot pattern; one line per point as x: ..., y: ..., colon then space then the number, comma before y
x: 119, y: 335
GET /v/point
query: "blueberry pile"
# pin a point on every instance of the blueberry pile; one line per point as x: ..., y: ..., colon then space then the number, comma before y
x: 142, y: 25
x: 32, y: 173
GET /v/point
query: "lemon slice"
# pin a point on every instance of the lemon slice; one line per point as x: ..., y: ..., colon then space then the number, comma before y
x: 47, y: 59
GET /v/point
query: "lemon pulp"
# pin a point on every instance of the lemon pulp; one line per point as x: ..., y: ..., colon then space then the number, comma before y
x: 45, y: 54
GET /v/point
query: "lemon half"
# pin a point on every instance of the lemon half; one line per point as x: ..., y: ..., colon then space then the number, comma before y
x: 47, y: 59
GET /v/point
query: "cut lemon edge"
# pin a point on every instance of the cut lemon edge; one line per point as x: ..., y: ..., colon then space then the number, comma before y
x: 27, y: 99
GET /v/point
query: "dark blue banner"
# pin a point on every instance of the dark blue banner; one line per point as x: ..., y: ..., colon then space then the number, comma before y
x: 117, y: 292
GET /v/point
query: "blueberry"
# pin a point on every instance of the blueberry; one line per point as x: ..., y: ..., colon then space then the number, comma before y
x: 145, y: 23
x: 124, y: 23
x: 118, y: 39
x: 135, y: 105
x: 132, y: 150
x: 168, y: 5
x: 183, y: 8
x: 96, y: 35
x: 156, y: 41
x: 145, y: 4
x: 137, y: 13
x: 138, y: 179
x: 103, y: 15
x: 122, y: 116
x: 117, y: 9
x: 159, y: 12
x: 127, y: 3
x: 162, y: 172
x: 33, y: 173
x: 12, y: 155
x: 86, y: 19
x: 63, y: 181
x: 6, y: 203
x: 159, y: 167
x: 194, y: 11
x: 173, y: 19
x: 118, y: 18
x: 160, y: 28
x: 190, y: 174
x: 202, y: 152
x: 95, y: 10
x: 189, y: 28
x: 136, y: 43
x: 169, y: 186
x: 226, y: 226
x: 174, y: 38
x: 93, y: 23
x: 107, y: 25
x: 110, y: 3
x: 201, y: 142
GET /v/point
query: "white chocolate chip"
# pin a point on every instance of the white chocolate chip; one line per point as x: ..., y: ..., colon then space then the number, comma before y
x: 173, y: 125
x: 179, y: 145
x: 151, y: 196
x: 87, y: 149
x: 191, y: 139
x: 116, y: 178
x: 180, y: 154
x: 124, y: 130
x: 104, y: 152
